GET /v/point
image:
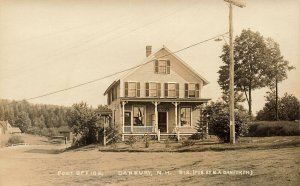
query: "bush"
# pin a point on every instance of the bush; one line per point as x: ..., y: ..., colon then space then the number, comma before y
x: 131, y: 141
x: 48, y: 132
x: 202, y: 131
x: 217, y: 116
x: 274, y: 128
x: 167, y: 143
x: 83, y: 121
x: 15, y: 139
x: 288, y: 108
x: 34, y: 130
x: 198, y: 136
x: 187, y: 142
x: 147, y: 140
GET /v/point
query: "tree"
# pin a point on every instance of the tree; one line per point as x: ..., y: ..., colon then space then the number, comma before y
x: 23, y: 121
x: 83, y: 121
x: 288, y: 108
x: 249, y: 63
x: 39, y: 122
x: 216, y: 114
x: 277, y: 69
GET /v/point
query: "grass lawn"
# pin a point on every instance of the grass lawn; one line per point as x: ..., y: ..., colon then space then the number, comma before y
x: 267, y: 164
x: 210, y: 144
x: 28, y: 139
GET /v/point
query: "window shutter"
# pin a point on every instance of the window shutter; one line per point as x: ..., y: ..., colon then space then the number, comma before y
x: 156, y: 66
x: 186, y: 90
x: 138, y: 89
x: 197, y: 90
x: 168, y: 66
x: 166, y: 89
x: 126, y: 89
x: 158, y: 89
x: 147, y: 89
x: 108, y: 100
x: 177, y: 90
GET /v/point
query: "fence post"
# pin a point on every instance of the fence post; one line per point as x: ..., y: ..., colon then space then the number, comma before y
x: 158, y: 135
x: 104, y: 137
x: 178, y: 134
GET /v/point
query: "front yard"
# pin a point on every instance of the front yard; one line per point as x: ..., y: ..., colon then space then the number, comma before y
x: 210, y: 144
x: 46, y: 165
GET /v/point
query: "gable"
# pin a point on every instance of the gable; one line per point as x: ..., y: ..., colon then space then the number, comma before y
x: 179, y: 71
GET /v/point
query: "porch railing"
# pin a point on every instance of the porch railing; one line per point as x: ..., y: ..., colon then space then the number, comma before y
x: 138, y: 129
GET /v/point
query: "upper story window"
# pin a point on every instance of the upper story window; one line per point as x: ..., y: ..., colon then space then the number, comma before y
x: 162, y: 66
x: 153, y: 89
x: 172, y: 90
x: 132, y: 89
x: 192, y: 90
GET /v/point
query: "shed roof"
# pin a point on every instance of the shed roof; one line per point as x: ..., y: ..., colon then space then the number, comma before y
x: 16, y: 130
x: 64, y: 129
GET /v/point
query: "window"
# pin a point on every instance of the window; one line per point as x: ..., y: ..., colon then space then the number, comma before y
x: 192, y: 90
x: 162, y: 66
x: 153, y: 89
x: 127, y: 118
x: 185, y: 116
x: 172, y: 90
x: 138, y: 115
x: 132, y: 89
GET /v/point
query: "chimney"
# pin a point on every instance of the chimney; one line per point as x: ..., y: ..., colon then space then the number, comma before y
x: 148, y: 50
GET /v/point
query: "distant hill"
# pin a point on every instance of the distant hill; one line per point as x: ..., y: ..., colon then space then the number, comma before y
x: 37, y: 115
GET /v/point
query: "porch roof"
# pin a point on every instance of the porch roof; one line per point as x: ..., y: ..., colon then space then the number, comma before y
x: 189, y: 100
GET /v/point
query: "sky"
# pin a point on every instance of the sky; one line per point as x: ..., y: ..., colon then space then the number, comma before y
x: 47, y: 46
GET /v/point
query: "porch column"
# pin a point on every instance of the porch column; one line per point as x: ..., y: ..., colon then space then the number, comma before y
x: 123, y: 119
x: 176, y: 111
x: 156, y: 115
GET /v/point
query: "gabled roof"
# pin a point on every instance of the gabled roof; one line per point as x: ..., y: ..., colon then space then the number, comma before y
x: 152, y: 57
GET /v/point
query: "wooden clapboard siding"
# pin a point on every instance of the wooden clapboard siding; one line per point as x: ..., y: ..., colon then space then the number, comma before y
x: 178, y: 74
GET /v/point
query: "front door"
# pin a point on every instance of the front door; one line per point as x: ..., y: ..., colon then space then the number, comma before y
x: 162, y: 121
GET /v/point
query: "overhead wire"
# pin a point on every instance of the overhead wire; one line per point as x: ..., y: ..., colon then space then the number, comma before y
x: 105, y: 41
x: 122, y: 71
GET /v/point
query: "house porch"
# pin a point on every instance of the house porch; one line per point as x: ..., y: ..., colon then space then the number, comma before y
x: 160, y: 116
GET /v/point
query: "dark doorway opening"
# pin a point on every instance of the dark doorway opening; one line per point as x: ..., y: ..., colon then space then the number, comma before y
x: 162, y: 121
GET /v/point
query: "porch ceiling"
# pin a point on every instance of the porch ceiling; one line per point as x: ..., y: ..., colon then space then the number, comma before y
x: 190, y: 100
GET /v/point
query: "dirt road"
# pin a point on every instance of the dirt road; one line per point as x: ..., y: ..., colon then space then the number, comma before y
x: 44, y: 165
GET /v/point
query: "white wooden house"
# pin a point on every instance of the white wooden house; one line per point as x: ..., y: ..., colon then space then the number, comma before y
x: 160, y: 97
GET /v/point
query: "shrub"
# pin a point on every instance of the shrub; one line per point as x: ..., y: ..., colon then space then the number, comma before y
x: 187, y: 142
x: 83, y: 121
x: 288, y: 108
x: 34, y: 130
x: 274, y: 128
x: 217, y: 116
x: 131, y: 141
x: 147, y: 140
x: 15, y: 139
x: 202, y: 131
x: 167, y: 143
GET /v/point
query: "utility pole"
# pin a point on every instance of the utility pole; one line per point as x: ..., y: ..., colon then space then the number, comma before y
x: 231, y: 69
